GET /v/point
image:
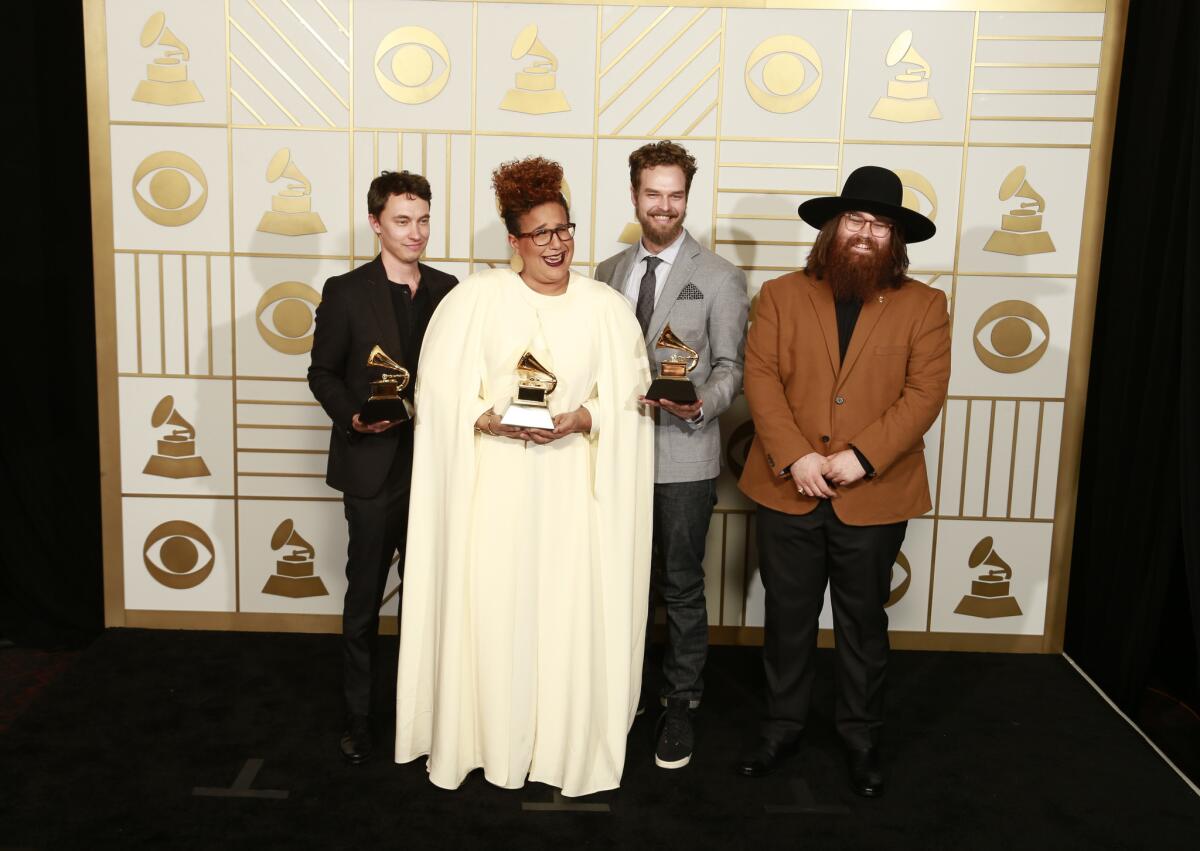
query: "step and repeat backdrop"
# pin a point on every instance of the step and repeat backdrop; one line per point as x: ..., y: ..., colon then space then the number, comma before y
x: 233, y: 143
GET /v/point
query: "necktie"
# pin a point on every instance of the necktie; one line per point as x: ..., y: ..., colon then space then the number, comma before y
x: 645, y: 299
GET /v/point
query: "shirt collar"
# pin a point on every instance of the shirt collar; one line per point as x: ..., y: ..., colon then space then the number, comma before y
x: 667, y: 255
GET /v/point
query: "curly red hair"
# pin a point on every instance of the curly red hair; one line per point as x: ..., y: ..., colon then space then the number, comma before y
x: 524, y: 184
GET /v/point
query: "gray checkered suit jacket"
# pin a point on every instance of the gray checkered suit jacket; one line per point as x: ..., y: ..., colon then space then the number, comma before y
x: 704, y: 300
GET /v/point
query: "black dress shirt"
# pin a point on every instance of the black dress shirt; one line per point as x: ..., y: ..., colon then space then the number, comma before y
x: 847, y: 318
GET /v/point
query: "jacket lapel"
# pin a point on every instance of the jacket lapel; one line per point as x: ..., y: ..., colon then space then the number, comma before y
x: 681, y: 273
x: 868, y: 318
x: 621, y: 270
x: 822, y: 299
x: 384, y: 313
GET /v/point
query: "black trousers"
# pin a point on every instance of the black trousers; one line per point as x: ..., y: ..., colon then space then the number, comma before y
x: 798, y: 554
x: 378, y: 529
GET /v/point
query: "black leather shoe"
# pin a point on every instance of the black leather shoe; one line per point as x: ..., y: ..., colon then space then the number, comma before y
x: 356, y: 741
x: 767, y: 756
x: 866, y: 777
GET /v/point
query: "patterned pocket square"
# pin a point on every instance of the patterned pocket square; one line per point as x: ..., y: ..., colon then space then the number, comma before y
x: 691, y: 293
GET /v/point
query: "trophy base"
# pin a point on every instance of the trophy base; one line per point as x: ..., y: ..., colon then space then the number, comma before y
x: 679, y: 390
x: 528, y: 416
x: 295, y: 587
x: 1019, y: 244
x: 378, y: 410
x: 291, y: 224
x: 535, y: 103
x: 987, y: 607
x: 176, y: 468
x: 167, y: 94
x: 906, y: 111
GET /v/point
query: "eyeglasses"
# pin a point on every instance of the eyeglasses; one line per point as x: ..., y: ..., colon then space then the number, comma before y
x: 855, y: 223
x: 542, y: 236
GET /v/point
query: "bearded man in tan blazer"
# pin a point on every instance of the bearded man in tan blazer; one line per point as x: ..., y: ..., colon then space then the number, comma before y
x: 847, y: 366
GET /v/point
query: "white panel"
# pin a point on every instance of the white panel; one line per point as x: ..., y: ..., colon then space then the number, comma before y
x: 198, y: 348
x: 286, y: 487
x: 292, y: 464
x: 1036, y: 79
x: 172, y: 294
x: 933, y: 447
x: 1039, y: 52
x: 1032, y: 132
x: 976, y: 485
x: 200, y: 530
x: 783, y: 257
x: 1024, y: 547
x: 262, y: 438
x: 910, y: 579
x: 198, y: 95
x: 1048, y: 461
x: 1041, y: 23
x: 458, y: 219
x: 319, y: 525
x: 791, y: 153
x: 1000, y: 459
x: 126, y: 313
x: 806, y: 181
x: 1046, y: 106
x: 151, y: 311
x: 789, y: 229
x: 952, y: 458
x: 222, y: 317
x: 1027, y: 436
x: 308, y: 414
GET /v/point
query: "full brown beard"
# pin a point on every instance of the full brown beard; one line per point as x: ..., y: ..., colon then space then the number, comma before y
x: 660, y: 235
x: 856, y: 277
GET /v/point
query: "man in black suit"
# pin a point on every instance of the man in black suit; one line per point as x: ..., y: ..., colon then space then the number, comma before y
x: 385, y: 303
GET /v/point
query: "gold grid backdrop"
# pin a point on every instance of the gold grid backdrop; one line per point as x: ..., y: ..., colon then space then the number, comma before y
x: 232, y: 145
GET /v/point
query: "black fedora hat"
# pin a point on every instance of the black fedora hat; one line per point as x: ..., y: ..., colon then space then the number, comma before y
x: 874, y: 190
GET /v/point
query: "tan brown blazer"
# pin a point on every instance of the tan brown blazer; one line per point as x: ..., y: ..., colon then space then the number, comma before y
x: 881, y: 400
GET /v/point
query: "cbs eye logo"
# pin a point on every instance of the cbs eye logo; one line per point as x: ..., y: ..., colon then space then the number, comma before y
x: 783, y: 74
x: 1011, y: 336
x: 408, y: 76
x: 172, y: 557
x: 919, y: 194
x: 291, y: 316
x: 176, y: 185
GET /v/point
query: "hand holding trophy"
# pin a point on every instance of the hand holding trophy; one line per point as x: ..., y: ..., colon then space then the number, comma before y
x: 529, y: 408
x: 385, y: 402
x: 673, y: 383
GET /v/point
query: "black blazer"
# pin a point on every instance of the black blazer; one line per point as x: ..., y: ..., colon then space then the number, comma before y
x: 356, y: 314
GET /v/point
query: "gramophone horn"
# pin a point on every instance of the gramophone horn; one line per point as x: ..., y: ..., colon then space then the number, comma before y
x: 283, y: 533
x: 985, y: 553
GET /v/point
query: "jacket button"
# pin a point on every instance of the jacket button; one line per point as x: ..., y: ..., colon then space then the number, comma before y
x: 840, y: 399
x: 824, y: 438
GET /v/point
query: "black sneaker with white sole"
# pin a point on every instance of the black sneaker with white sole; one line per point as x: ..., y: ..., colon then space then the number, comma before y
x: 675, y: 738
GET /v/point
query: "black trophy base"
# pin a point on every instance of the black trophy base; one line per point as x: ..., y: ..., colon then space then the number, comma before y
x: 679, y: 390
x: 378, y: 410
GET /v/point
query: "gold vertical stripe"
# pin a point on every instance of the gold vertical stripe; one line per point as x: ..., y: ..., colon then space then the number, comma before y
x: 424, y: 162
x: 1037, y: 461
x: 449, y: 181
x: 400, y: 151
x: 137, y: 304
x: 724, y: 544
x: 962, y: 485
x: 717, y: 152
x: 208, y: 298
x: 237, y: 554
x: 187, y: 346
x: 1012, y: 462
x: 474, y: 104
x: 162, y: 319
x: 987, y: 468
x: 592, y: 250
x: 353, y: 139
x: 845, y: 88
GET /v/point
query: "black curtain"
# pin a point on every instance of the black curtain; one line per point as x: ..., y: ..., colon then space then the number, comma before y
x: 50, y: 565
x: 1134, y: 602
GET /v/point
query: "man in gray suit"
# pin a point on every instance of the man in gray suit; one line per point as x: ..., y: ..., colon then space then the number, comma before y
x: 669, y: 278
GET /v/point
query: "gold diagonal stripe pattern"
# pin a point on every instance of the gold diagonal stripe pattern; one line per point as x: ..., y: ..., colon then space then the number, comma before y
x: 685, y: 99
x: 334, y: 18
x: 620, y: 22
x: 264, y: 90
x: 650, y: 62
x: 670, y: 79
x: 280, y: 71
x: 707, y: 112
x: 636, y: 41
x: 304, y: 23
x: 299, y: 54
x: 249, y: 108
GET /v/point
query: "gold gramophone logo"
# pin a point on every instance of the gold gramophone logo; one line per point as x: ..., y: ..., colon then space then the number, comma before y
x: 409, y: 75
x: 536, y: 91
x: 176, y: 457
x: 991, y: 594
x: 291, y: 211
x: 1020, y: 228
x: 288, y: 306
x: 901, y: 580
x: 1011, y: 336
x: 166, y: 82
x: 170, y: 176
x: 172, y: 556
x: 295, y: 575
x: 907, y: 99
x: 786, y: 86
x: 919, y: 194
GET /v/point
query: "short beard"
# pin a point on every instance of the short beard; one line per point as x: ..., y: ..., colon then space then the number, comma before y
x: 856, y: 277
x: 661, y: 235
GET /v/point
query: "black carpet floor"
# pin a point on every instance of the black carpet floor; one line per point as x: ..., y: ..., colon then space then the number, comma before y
x: 221, y: 740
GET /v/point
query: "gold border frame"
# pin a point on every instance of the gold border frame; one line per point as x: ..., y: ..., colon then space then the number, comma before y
x: 1079, y: 358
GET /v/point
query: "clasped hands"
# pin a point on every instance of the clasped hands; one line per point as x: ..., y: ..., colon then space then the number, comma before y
x: 576, y: 421
x: 817, y: 475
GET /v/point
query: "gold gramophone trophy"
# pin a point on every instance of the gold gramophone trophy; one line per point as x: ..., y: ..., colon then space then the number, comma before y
x: 385, y: 402
x: 530, y: 407
x: 294, y: 574
x: 166, y: 82
x: 176, y: 457
x: 991, y: 594
x: 536, y: 92
x: 1020, y: 228
x: 291, y: 212
x: 907, y: 99
x: 673, y: 383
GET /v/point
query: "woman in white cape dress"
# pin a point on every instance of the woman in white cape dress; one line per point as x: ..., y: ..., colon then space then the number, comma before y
x: 527, y: 568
